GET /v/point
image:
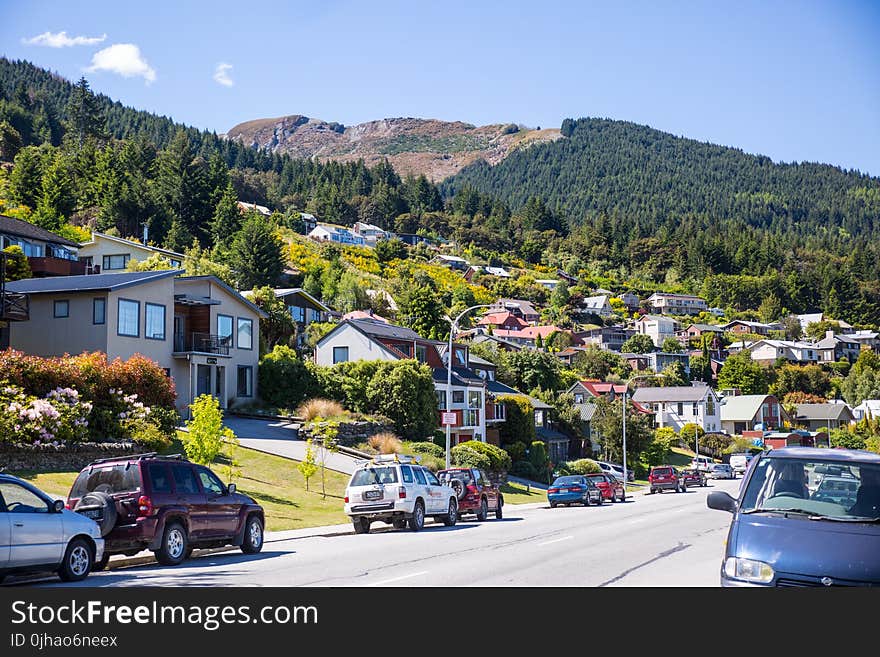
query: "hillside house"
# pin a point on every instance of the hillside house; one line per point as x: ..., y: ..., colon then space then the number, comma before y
x: 818, y: 416
x: 48, y: 254
x: 741, y: 413
x: 767, y: 352
x: 597, y: 305
x: 675, y: 406
x: 656, y: 327
x: 108, y: 253
x: 676, y: 304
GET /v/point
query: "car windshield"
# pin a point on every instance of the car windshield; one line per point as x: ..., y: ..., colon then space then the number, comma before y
x: 119, y: 478
x: 369, y: 476
x: 825, y: 490
x: 596, y: 478
x: 568, y: 481
x: 662, y: 472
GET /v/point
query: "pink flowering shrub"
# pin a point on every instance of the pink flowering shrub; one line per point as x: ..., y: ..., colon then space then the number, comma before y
x: 61, y: 417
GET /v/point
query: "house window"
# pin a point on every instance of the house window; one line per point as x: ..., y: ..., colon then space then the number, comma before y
x: 696, y: 409
x: 128, y: 318
x: 460, y: 357
x: 680, y: 409
x: 579, y: 398
x: 458, y: 396
x: 340, y: 355
x: 61, y: 309
x: 245, y: 333
x: 298, y: 314
x: 99, y: 311
x: 421, y: 353
x: 405, y: 349
x: 245, y: 381
x: 474, y: 399
x: 314, y: 315
x: 154, y: 327
x: 441, y: 398
x: 224, y: 328
x: 500, y: 412
x: 116, y: 261
x: 471, y: 418
x: 710, y: 405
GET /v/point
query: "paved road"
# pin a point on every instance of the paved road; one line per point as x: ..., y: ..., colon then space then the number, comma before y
x: 662, y: 540
x: 280, y: 437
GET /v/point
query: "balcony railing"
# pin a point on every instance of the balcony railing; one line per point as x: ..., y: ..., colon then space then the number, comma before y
x: 14, y: 307
x: 203, y: 343
x: 52, y: 266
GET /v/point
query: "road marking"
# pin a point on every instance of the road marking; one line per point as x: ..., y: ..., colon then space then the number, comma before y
x: 397, y: 579
x: 557, y: 540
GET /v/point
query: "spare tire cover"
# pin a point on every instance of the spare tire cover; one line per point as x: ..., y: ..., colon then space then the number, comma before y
x: 103, y: 501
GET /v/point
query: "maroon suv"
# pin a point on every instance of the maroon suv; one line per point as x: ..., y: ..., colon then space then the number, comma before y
x: 665, y: 477
x: 475, y: 491
x: 165, y: 504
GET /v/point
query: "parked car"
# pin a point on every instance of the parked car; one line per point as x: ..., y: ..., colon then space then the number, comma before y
x: 786, y: 531
x: 694, y: 477
x: 398, y: 491
x: 721, y: 471
x: 573, y: 489
x: 701, y: 463
x: 38, y: 534
x: 666, y: 477
x: 165, y: 504
x: 740, y: 462
x: 616, y: 470
x: 610, y: 487
x: 476, y: 492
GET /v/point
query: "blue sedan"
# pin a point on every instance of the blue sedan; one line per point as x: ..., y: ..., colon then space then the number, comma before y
x: 573, y: 489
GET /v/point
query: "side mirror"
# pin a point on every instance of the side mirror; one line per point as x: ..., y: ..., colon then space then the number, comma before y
x: 58, y: 506
x: 721, y: 502
x: 230, y: 489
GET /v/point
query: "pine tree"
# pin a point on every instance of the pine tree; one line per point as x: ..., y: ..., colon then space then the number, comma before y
x: 182, y: 186
x: 26, y: 179
x: 85, y: 116
x: 256, y: 254
x: 57, y: 201
x: 226, y: 221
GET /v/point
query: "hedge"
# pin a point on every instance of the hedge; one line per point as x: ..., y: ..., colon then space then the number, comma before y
x: 465, y: 457
x: 499, y: 460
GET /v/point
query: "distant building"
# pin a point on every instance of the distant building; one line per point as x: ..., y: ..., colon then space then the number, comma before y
x: 816, y: 416
x: 606, y: 337
x: 304, y: 309
x: 677, y: 304
x: 549, y: 283
x: 370, y: 233
x: 741, y: 413
x: 676, y: 406
x: 743, y: 327
x: 767, y: 352
x: 656, y: 327
x: 253, y: 207
x: 109, y: 253
x: 630, y: 300
x: 597, y: 305
x: 519, y: 307
x: 338, y: 234
x: 48, y: 254
x: 836, y: 347
x: 453, y: 262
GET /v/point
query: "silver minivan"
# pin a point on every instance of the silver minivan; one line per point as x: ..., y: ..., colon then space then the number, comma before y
x: 38, y: 534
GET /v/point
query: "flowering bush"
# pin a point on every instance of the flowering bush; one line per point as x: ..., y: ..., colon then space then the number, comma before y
x: 59, y: 418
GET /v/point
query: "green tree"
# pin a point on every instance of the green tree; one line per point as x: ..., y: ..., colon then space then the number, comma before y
x: 85, y: 116
x: 863, y: 380
x: 404, y: 392
x: 182, y: 186
x: 674, y: 374
x: 671, y: 346
x: 770, y: 309
x: 817, y: 330
x: 519, y: 422
x: 308, y: 466
x: 257, y: 254
x: 528, y: 369
x: 638, y: 344
x: 597, y: 363
x: 156, y: 262
x: 422, y: 310
x: 278, y: 327
x: 608, y: 422
x: 205, y: 431
x: 809, y: 379
x: 285, y: 379
x: 26, y: 179
x: 740, y: 371
x: 390, y: 249
x: 57, y: 201
x: 226, y: 221
x: 10, y: 141
x: 17, y: 266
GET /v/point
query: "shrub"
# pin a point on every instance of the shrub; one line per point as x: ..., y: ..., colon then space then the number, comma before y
x: 285, y: 380
x: 150, y: 437
x: 206, y: 431
x: 499, y: 460
x: 319, y: 408
x: 583, y: 467
x: 465, y: 457
x: 404, y: 392
x: 523, y: 469
x: 385, y: 443
x: 429, y: 449
x: 516, y: 450
x: 539, y: 459
x: 520, y: 423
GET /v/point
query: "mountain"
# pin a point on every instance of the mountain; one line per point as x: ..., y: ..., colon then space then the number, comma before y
x: 435, y: 148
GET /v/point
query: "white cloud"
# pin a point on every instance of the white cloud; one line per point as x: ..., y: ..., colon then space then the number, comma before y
x: 124, y: 59
x: 61, y: 40
x: 221, y: 74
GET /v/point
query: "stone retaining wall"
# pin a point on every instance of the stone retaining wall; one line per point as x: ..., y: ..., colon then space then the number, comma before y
x: 72, y: 458
x: 351, y: 433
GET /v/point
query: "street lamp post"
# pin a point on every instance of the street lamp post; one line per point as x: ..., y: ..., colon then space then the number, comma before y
x: 453, y: 325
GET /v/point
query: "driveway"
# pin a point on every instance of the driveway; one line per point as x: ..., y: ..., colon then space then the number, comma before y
x: 281, y: 438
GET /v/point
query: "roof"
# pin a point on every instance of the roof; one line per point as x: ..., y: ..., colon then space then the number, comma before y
x: 830, y: 343
x: 497, y: 271
x: 602, y: 387
x: 670, y: 394
x: 537, y: 404
x: 500, y: 317
x: 485, y: 337
x: 526, y: 307
x: 822, y: 411
x: 706, y: 327
x: 656, y: 318
x: 364, y: 314
x: 88, y: 282
x: 14, y: 226
x: 660, y: 295
x: 592, y: 302
x: 742, y: 407
x: 587, y: 411
x: 451, y: 258
x: 476, y: 360
x: 498, y: 388
x: 459, y: 378
x: 285, y: 291
x: 148, y: 247
x: 377, y: 329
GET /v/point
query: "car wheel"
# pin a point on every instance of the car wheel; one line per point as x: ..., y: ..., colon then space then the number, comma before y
x: 483, y: 511
x: 253, y: 535
x: 552, y: 505
x: 498, y: 512
x: 174, y: 545
x: 418, y: 517
x: 78, y: 560
x: 451, y: 516
x: 361, y: 525
x: 107, y: 506
x: 586, y: 501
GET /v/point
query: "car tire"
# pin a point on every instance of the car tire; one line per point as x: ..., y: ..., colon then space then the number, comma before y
x: 451, y: 516
x: 98, y: 566
x: 174, y: 545
x: 417, y: 521
x: 498, y: 512
x: 361, y: 525
x: 458, y: 486
x: 552, y: 505
x: 483, y: 511
x: 253, y: 535
x: 78, y: 560
x: 107, y: 505
x: 586, y: 501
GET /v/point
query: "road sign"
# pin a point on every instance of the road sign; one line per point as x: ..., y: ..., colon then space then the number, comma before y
x: 448, y: 418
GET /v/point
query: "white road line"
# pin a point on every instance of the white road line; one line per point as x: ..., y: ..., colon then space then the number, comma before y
x: 557, y: 540
x: 397, y: 579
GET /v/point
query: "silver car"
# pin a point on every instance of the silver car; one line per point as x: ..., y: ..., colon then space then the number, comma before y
x: 38, y: 534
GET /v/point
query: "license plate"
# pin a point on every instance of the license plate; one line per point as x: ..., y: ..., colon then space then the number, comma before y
x: 92, y: 513
x: 373, y: 495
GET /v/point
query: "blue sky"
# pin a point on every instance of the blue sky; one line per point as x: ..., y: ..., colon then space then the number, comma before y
x: 795, y: 80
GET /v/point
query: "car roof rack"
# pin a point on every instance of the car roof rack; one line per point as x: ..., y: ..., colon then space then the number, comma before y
x: 396, y: 458
x: 139, y: 457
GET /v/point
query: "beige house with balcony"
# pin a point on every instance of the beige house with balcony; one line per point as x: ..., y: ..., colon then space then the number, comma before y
x: 198, y: 329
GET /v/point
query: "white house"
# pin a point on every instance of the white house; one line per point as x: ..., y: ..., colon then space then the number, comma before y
x: 597, y: 305
x: 657, y: 328
x: 768, y: 351
x: 339, y: 234
x: 549, y: 283
x: 675, y: 406
x: 869, y: 408
x: 370, y: 233
x: 677, y: 304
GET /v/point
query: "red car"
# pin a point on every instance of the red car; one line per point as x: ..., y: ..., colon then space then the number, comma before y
x: 665, y: 477
x: 475, y: 491
x: 610, y: 487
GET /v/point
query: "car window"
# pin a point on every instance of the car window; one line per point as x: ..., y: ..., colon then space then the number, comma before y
x: 184, y: 480
x: 431, y: 478
x: 159, y: 480
x: 112, y: 479
x: 18, y: 499
x: 210, y: 482
x: 380, y: 475
x: 420, y: 476
x: 406, y: 473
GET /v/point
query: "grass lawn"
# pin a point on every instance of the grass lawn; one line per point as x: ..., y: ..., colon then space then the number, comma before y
x: 274, y: 482
x: 517, y: 494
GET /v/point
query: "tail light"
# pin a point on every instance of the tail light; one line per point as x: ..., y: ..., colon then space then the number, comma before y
x: 145, y: 506
x: 552, y: 490
x: 346, y: 499
x: 401, y: 492
x: 575, y: 489
x: 472, y: 490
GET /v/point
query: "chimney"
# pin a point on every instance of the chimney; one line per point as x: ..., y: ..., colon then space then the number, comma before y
x: 829, y: 335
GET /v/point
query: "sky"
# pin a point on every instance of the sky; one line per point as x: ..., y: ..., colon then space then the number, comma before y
x: 795, y: 80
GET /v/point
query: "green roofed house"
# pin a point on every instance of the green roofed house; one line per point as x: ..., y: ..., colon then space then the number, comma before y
x: 745, y: 412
